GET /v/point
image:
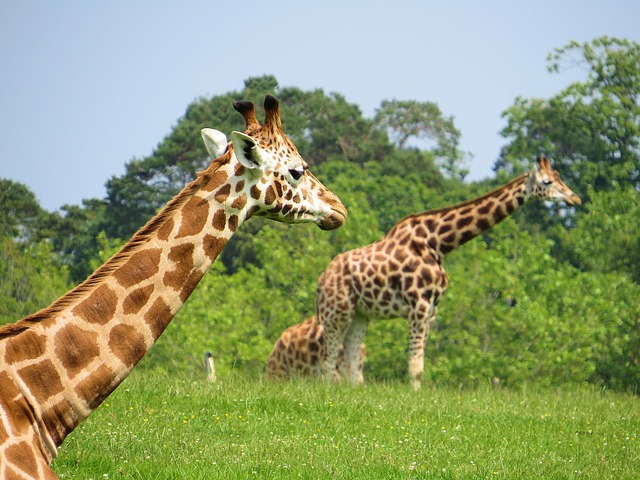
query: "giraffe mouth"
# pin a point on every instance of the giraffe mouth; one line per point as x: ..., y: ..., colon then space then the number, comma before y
x: 334, y: 219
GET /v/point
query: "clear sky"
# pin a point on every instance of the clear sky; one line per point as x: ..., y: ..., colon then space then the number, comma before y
x: 85, y: 86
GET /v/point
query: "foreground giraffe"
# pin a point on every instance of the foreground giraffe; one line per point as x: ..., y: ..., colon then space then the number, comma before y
x: 299, y: 352
x: 59, y: 364
x: 402, y: 274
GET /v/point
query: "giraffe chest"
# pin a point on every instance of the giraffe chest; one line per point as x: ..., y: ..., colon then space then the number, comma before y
x: 389, y: 283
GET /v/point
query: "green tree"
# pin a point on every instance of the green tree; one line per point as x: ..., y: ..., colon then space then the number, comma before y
x: 591, y: 128
x: 407, y: 119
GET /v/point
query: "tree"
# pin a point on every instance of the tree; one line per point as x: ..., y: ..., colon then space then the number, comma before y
x: 591, y: 128
x: 406, y: 119
x: 21, y: 216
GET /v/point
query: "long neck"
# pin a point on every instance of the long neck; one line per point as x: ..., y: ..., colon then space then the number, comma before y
x: 450, y: 227
x: 89, y: 340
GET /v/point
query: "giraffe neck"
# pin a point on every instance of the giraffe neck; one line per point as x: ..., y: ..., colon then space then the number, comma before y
x: 450, y: 227
x: 67, y: 358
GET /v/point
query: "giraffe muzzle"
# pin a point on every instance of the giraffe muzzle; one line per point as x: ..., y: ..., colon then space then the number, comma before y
x: 333, y: 220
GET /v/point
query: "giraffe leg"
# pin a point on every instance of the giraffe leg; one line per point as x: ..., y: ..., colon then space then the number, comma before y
x: 334, y: 331
x: 420, y: 320
x: 352, y: 349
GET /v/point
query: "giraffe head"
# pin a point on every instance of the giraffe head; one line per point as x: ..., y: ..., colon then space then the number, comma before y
x: 278, y: 180
x: 545, y: 183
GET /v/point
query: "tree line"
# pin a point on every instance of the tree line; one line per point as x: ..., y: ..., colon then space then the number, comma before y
x: 550, y: 295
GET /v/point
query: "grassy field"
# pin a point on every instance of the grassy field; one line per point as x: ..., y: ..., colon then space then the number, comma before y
x: 174, y: 428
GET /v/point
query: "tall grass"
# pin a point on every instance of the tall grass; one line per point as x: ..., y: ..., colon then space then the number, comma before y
x: 173, y: 428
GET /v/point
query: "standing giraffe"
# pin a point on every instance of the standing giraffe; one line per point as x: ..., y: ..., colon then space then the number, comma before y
x: 402, y: 274
x: 299, y: 352
x: 59, y: 364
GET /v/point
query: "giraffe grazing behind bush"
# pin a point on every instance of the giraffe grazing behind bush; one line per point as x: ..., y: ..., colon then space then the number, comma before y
x: 300, y: 350
x: 402, y: 274
x: 59, y: 364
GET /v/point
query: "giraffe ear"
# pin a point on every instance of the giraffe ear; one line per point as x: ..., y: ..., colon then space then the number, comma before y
x: 246, y: 150
x: 214, y: 141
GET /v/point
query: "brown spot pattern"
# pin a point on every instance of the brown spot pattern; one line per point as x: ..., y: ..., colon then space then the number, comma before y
x: 75, y: 348
x: 100, y: 306
x: 158, y: 317
x: 42, y: 380
x: 136, y: 300
x: 142, y: 265
x: 27, y: 346
x: 194, y: 217
x: 126, y: 343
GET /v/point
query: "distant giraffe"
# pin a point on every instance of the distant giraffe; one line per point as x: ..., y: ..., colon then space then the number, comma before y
x: 59, y: 364
x: 299, y: 352
x: 402, y: 275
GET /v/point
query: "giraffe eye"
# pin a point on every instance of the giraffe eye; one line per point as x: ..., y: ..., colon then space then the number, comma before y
x: 546, y: 181
x: 296, y: 174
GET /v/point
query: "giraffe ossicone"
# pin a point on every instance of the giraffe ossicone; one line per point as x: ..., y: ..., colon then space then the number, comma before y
x: 59, y: 364
x: 402, y: 274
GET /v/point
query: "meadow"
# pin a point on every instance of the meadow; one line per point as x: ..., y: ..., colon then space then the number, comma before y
x: 172, y: 427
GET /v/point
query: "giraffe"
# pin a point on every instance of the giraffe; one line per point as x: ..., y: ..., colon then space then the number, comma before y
x: 58, y: 365
x: 299, y: 352
x: 402, y: 274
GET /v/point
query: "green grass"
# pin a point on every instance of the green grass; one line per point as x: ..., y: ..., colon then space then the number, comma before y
x: 175, y: 428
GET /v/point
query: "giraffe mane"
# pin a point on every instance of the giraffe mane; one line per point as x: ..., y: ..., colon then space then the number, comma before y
x: 442, y: 210
x: 132, y: 246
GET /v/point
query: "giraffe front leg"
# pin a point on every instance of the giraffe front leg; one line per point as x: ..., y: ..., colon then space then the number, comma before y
x: 353, y: 351
x: 420, y: 320
x: 334, y: 331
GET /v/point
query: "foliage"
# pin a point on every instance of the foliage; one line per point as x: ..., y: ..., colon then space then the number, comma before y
x: 591, y: 129
x: 548, y: 295
x: 30, y: 278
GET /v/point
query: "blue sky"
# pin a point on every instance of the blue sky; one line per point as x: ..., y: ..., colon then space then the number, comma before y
x: 86, y: 86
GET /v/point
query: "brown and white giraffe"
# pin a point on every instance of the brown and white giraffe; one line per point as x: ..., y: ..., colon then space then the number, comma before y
x: 59, y: 364
x: 300, y: 350
x: 402, y: 275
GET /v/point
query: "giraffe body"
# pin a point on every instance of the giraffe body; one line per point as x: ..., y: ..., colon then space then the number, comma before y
x: 59, y: 364
x: 300, y: 350
x: 402, y: 274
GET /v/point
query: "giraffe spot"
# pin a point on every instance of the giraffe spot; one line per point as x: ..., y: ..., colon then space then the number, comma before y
x: 23, y: 456
x: 141, y: 265
x: 239, y: 203
x: 444, y: 228
x: 233, y: 223
x: 182, y: 258
x: 127, y: 344
x: 60, y: 421
x: 219, y: 220
x: 483, y: 224
x: 464, y: 221
x: 269, y: 195
x: 213, y: 245
x: 194, y: 217
x: 97, y: 386
x: 42, y: 380
x: 222, y: 193
x: 189, y: 284
x: 449, y: 238
x: 158, y: 317
x: 217, y: 179
x: 486, y: 208
x: 466, y: 236
x: 100, y: 306
x: 27, y: 346
x: 255, y: 192
x: 137, y: 299
x: 165, y: 229
x: 75, y: 348
x: 520, y: 200
x: 239, y: 186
